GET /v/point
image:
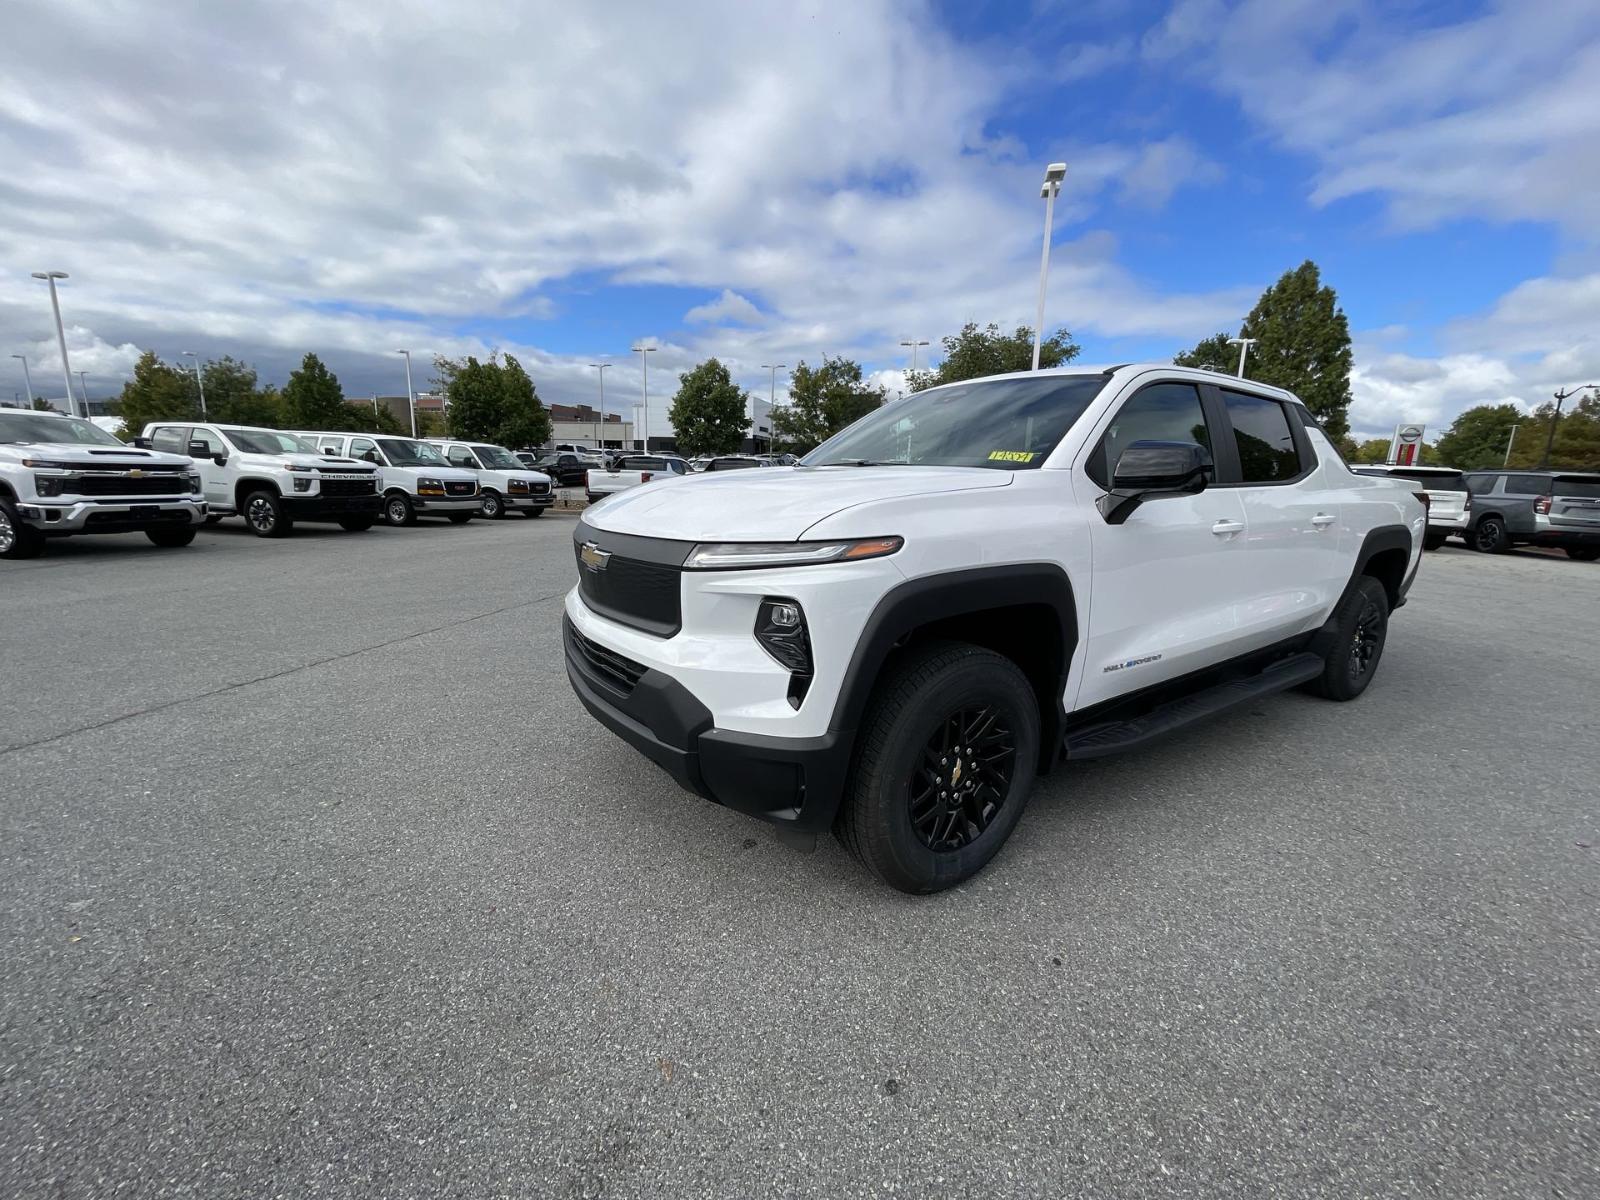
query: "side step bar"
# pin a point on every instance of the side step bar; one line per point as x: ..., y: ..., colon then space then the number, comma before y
x: 1113, y: 737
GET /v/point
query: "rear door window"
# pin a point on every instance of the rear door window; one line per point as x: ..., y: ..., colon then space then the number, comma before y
x: 1261, y: 431
x: 1481, y: 485
x: 1526, y: 485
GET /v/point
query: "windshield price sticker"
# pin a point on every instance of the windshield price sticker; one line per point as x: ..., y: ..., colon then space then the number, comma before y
x: 1011, y: 456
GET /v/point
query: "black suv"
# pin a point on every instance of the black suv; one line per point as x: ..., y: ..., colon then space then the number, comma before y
x: 1536, y: 508
x: 566, y: 469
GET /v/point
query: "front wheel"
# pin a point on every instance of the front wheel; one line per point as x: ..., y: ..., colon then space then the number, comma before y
x: 492, y: 506
x: 357, y: 524
x: 397, y: 510
x: 1583, y: 553
x: 1490, y: 536
x: 18, y: 539
x: 1352, y: 642
x: 263, y: 512
x: 944, y: 763
x: 171, y: 536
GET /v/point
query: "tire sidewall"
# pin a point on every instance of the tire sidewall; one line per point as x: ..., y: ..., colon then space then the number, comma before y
x: 396, y: 503
x: 280, y: 523
x: 1496, y: 542
x: 492, y: 506
x: 1340, y: 683
x: 913, y: 866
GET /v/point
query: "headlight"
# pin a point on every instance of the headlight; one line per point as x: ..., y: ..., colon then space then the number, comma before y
x: 292, y: 467
x: 50, y: 485
x: 194, y: 482
x: 516, y: 485
x: 430, y: 487
x: 302, y: 485
x: 737, y: 556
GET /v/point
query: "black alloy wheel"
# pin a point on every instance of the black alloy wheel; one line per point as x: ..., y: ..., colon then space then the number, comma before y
x: 1367, y: 640
x: 963, y: 778
x: 1490, y: 536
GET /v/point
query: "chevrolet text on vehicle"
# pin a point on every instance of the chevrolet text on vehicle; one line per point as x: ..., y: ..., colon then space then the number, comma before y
x: 895, y: 637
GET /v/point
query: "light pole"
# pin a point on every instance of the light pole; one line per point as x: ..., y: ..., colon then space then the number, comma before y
x: 411, y: 397
x: 644, y: 353
x: 1510, y: 441
x: 914, y: 344
x: 600, y: 438
x: 1053, y: 175
x: 772, y: 401
x: 83, y: 383
x: 27, y: 379
x: 199, y: 381
x: 50, y: 277
x: 1244, y: 345
x: 1555, y: 417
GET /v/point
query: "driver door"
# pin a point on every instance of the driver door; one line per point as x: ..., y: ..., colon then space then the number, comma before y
x: 214, y: 480
x: 1165, y: 595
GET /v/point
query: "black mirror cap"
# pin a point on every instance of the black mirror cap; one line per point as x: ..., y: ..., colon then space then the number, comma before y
x: 199, y: 449
x: 1152, y: 466
x: 140, y: 443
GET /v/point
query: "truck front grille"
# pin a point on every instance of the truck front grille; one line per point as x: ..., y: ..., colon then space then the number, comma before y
x: 460, y: 487
x: 349, y: 487
x: 121, y: 485
x: 634, y: 581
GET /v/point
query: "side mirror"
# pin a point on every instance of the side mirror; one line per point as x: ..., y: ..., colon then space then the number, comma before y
x: 370, y: 456
x: 199, y: 449
x: 141, y: 443
x: 1150, y: 468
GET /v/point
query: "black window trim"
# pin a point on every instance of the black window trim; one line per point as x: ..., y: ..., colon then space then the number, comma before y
x: 1304, y: 450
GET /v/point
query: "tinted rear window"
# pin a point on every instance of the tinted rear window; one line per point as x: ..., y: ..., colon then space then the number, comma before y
x: 1585, y: 487
x: 1526, y: 485
x: 1438, y: 481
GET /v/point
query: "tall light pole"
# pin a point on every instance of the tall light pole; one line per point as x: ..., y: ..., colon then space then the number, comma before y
x: 914, y: 344
x: 1555, y: 417
x: 83, y: 383
x: 772, y: 401
x: 50, y: 277
x: 1053, y: 175
x: 27, y: 379
x: 600, y: 438
x: 1244, y: 345
x: 411, y: 396
x: 644, y: 353
x: 199, y: 382
x: 1510, y: 441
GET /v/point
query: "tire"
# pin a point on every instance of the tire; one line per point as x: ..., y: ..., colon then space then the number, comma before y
x: 1490, y: 537
x: 459, y: 518
x: 357, y: 524
x: 491, y: 506
x: 1583, y: 553
x: 397, y: 510
x: 214, y: 519
x: 919, y: 707
x: 17, y: 539
x: 1432, y: 541
x: 263, y: 514
x: 1353, y: 642
x: 533, y: 514
x: 171, y: 537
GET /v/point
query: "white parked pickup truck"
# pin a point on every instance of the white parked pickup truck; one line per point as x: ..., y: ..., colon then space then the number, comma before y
x: 61, y: 476
x: 895, y: 637
x: 629, y: 471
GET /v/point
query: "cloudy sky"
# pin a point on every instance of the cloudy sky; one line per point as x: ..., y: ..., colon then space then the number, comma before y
x: 770, y: 182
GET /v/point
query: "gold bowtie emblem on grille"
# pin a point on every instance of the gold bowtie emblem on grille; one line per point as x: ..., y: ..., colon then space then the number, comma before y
x: 135, y: 473
x: 593, y: 557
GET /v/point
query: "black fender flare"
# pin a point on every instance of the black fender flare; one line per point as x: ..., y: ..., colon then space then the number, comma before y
x: 243, y: 487
x: 930, y: 598
x: 1377, y: 540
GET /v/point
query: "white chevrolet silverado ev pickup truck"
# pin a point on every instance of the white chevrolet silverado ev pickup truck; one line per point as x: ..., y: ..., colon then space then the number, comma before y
x: 893, y: 638
x: 61, y: 476
x: 270, y: 478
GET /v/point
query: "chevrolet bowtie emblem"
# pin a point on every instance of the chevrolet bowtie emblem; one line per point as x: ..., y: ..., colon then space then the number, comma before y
x: 593, y: 557
x: 135, y: 473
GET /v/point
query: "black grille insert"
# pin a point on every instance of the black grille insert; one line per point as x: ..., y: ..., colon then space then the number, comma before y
x: 460, y: 487
x: 633, y: 580
x: 349, y: 487
x: 121, y: 485
x: 621, y: 672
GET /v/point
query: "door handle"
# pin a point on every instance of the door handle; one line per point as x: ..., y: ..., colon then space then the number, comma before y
x: 1323, y: 520
x: 1227, y: 528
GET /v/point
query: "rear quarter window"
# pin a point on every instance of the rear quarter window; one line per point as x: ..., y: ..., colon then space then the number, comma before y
x: 1581, y: 487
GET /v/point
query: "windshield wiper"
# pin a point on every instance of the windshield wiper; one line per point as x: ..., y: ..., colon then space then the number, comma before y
x: 865, y: 462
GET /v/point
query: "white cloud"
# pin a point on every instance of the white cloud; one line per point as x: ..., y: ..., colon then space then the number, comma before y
x: 730, y: 306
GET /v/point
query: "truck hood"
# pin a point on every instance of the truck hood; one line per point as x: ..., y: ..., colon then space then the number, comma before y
x: 86, y: 455
x: 771, y: 504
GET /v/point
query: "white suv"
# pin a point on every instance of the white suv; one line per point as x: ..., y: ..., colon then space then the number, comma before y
x: 504, y: 484
x: 61, y: 476
x: 270, y: 478
x: 413, y: 476
x: 895, y: 637
x: 1449, y: 501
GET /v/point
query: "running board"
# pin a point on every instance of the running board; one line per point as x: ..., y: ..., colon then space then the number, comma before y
x: 1113, y: 737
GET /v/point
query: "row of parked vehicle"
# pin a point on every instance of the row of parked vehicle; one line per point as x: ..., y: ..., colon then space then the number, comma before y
x: 1493, y: 511
x: 61, y: 476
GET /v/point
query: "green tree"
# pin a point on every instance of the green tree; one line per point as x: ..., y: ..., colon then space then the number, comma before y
x: 708, y: 413
x: 974, y: 353
x: 492, y: 401
x: 313, y: 399
x: 822, y: 401
x: 1302, y: 343
x: 235, y: 397
x: 1478, y: 437
x: 1373, y: 450
x: 1577, y: 444
x: 157, y: 392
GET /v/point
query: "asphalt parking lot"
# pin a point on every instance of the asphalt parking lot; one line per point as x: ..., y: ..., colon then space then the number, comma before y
x: 319, y: 882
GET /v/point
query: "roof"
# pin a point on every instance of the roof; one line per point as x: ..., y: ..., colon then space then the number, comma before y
x: 1127, y: 371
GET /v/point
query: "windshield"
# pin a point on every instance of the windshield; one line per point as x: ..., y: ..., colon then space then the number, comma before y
x: 34, y: 427
x: 402, y: 452
x: 497, y: 459
x: 267, y: 441
x: 1576, y: 485
x: 1005, y: 424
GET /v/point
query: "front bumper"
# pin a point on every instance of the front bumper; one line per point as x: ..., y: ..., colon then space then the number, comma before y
x: 794, y: 783
x: 447, y: 504
x: 331, y: 508
x: 111, y: 516
x: 519, y: 502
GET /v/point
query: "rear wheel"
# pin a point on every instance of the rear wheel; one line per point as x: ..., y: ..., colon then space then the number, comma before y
x: 357, y: 524
x: 180, y: 535
x: 397, y: 509
x: 17, y: 538
x: 1352, y: 643
x: 492, y: 506
x: 1490, y: 536
x: 458, y: 518
x: 944, y: 763
x: 1583, y: 553
x: 263, y: 513
x: 1432, y: 541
